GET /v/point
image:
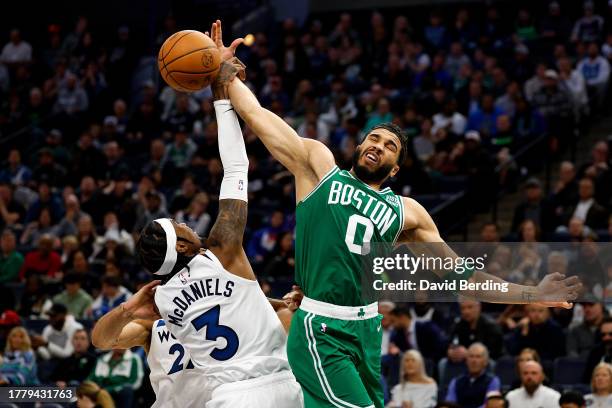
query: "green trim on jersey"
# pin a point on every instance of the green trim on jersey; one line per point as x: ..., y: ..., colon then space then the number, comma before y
x: 337, y: 227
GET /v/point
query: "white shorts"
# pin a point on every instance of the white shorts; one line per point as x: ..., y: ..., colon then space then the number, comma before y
x: 270, y: 391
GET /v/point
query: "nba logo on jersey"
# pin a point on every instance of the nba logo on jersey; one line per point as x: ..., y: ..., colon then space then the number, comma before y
x: 323, y: 327
x: 240, y: 185
x: 183, y: 276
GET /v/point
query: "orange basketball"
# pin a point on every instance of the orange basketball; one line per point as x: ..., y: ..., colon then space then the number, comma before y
x: 188, y: 61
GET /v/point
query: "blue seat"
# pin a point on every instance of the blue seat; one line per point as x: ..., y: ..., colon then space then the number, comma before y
x: 568, y: 370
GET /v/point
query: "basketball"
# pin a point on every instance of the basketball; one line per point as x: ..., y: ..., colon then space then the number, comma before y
x: 188, y: 61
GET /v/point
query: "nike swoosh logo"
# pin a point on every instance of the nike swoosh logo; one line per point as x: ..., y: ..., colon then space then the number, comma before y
x: 230, y: 109
x: 379, y: 326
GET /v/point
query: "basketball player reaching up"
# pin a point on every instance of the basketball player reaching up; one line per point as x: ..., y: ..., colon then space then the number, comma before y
x: 339, y: 213
x: 210, y: 300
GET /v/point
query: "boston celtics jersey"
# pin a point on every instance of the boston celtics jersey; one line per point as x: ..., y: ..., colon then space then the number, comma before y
x: 335, y: 227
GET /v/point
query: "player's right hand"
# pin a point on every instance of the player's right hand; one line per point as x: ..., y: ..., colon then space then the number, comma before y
x: 142, y: 304
x: 217, y: 36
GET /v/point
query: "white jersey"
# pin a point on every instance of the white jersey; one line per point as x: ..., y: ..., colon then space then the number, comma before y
x: 225, y: 321
x: 171, y: 368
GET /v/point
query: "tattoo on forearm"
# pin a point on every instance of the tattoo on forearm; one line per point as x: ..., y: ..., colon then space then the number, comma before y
x: 528, y: 296
x: 229, y: 226
x: 227, y: 72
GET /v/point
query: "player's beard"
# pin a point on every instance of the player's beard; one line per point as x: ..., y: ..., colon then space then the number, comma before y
x: 376, y: 176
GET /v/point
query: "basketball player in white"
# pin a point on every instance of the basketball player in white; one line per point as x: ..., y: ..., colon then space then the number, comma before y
x: 211, y: 301
x: 136, y: 323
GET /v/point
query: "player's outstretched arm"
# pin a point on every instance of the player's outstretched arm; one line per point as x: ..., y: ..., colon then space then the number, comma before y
x: 225, y: 238
x: 308, y: 160
x: 129, y: 324
x: 555, y: 290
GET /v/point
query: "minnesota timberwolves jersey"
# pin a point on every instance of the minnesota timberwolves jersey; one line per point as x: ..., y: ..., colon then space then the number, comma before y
x: 224, y: 321
x: 171, y: 368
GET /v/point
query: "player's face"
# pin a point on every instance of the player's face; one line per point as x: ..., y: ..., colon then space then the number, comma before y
x: 376, y: 157
x: 187, y: 241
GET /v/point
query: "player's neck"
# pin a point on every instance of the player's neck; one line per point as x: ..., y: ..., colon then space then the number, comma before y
x: 375, y: 186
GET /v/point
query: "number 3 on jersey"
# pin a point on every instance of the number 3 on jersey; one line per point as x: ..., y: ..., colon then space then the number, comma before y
x: 354, y: 221
x: 214, y: 331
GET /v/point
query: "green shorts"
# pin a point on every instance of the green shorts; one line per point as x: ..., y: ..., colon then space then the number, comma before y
x: 334, y: 352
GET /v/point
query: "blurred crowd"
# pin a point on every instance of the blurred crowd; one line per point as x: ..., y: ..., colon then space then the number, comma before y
x: 92, y: 149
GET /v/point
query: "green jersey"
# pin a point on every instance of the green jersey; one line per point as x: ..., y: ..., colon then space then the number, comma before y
x: 335, y: 225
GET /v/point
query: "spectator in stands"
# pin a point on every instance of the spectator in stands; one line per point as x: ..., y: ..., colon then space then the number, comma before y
x: 590, y: 26
x: 196, y: 215
x: 382, y: 114
x: 601, y: 387
x: 582, y: 337
x: 12, y: 213
x: 263, y: 240
x: 484, y: 117
x: 554, y: 104
x: 72, y: 215
x: 111, y: 296
x: 90, y: 395
x: 10, y: 259
x: 56, y: 339
x: 533, y: 394
x: 43, y: 261
x: 473, y: 326
x: 555, y: 27
x: 425, y: 337
x: 602, y: 352
x: 470, y: 390
x: 527, y: 354
x: 16, y: 172
x: 75, y: 369
x: 600, y: 170
x: 496, y: 401
x: 385, y: 308
x: 574, y: 82
x: 565, y: 189
x: 532, y: 208
x: 18, y: 363
x: 596, y: 72
x: 489, y: 232
x: 76, y: 300
x: 572, y: 399
x: 587, y: 209
x: 35, y: 300
x: 281, y: 262
x: 534, y: 84
x: 535, y: 331
x: 120, y: 372
x: 71, y: 98
x: 416, y: 388
x: 16, y: 51
x: 34, y: 231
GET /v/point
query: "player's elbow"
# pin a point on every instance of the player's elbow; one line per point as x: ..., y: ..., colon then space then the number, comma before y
x: 99, y: 341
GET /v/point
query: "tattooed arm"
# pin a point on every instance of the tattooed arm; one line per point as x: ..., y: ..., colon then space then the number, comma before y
x: 225, y: 238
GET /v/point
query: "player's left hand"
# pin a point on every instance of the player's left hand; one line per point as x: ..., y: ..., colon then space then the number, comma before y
x: 217, y: 36
x: 142, y: 304
x: 555, y: 290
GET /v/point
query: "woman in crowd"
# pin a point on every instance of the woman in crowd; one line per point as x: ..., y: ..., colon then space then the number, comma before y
x: 36, y: 229
x: 415, y: 389
x: 86, y: 235
x: 90, y: 395
x: 18, y: 366
x: 601, y: 384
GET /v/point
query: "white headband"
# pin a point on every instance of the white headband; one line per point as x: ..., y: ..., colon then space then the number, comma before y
x: 171, y: 254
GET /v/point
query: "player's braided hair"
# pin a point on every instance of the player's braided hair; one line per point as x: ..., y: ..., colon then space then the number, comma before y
x: 151, y: 250
x: 397, y: 131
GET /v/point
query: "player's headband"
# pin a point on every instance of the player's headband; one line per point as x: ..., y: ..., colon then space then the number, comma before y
x: 171, y: 254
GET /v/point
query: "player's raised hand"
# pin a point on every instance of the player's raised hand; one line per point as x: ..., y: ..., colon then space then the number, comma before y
x: 217, y: 36
x: 555, y: 290
x: 142, y: 304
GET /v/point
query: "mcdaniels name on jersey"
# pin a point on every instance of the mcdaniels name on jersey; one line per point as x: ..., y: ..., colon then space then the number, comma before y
x: 196, y: 291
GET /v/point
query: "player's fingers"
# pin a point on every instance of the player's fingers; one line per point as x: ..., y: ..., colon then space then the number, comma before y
x: 219, y: 32
x: 235, y: 44
x: 151, y: 285
x: 572, y: 280
x: 555, y: 276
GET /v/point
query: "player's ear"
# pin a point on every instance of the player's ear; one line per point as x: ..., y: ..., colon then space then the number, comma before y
x: 182, y: 247
x: 394, y: 170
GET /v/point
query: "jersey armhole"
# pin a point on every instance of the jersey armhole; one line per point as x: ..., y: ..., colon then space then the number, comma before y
x: 211, y: 255
x: 401, y: 226
x: 326, y: 177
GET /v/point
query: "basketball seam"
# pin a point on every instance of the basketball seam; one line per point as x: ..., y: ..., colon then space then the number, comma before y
x: 180, y: 84
x: 184, y: 55
x: 176, y: 42
x: 194, y: 73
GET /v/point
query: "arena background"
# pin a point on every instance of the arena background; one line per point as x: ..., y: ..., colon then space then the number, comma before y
x: 506, y: 104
